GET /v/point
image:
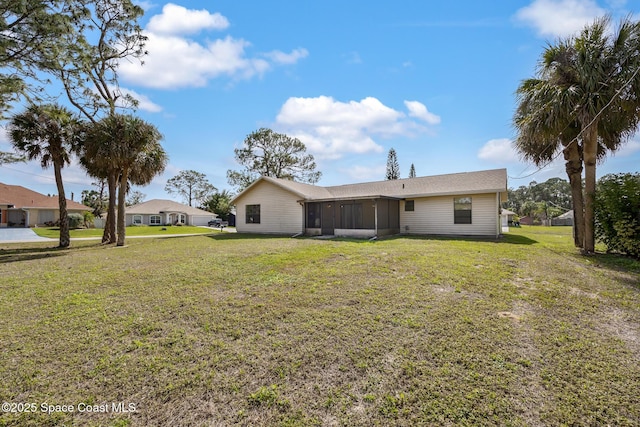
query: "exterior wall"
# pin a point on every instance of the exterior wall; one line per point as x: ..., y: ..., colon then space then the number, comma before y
x: 200, y: 220
x: 434, y: 215
x: 146, y: 219
x: 313, y: 231
x: 280, y: 212
x: 352, y: 232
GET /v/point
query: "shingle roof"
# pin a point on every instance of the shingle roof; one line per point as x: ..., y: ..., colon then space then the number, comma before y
x: 159, y: 205
x: 21, y: 197
x: 489, y: 181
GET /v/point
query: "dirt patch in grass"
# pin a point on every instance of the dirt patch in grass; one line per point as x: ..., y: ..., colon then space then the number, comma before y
x: 240, y: 330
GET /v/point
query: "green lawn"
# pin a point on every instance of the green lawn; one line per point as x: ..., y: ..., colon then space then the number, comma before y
x: 227, y: 329
x: 54, y: 232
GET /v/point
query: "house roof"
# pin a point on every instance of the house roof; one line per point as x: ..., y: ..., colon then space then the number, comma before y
x: 489, y: 181
x: 21, y: 197
x: 566, y: 215
x: 156, y: 206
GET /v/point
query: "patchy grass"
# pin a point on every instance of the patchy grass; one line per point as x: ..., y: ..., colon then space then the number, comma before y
x: 54, y: 232
x: 229, y: 329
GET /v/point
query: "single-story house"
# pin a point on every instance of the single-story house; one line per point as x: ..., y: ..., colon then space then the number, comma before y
x: 507, y: 218
x: 21, y: 207
x: 465, y: 204
x: 564, y: 219
x: 166, y: 212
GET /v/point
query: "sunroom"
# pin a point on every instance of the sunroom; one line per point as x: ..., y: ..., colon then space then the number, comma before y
x: 363, y: 218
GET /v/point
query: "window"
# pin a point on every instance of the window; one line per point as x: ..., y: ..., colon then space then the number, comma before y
x: 462, y: 210
x: 409, y: 205
x: 137, y: 219
x: 154, y: 220
x: 253, y: 214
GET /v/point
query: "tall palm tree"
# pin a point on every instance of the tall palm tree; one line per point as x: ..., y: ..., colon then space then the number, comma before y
x: 122, y: 149
x: 596, y: 77
x: 95, y: 157
x: 138, y: 154
x: 48, y: 133
x: 545, y: 125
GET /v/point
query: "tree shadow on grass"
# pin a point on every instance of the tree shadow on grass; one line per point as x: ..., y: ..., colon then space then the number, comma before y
x: 27, y: 254
x: 244, y: 236
x: 629, y: 266
x: 509, y: 239
x: 24, y: 253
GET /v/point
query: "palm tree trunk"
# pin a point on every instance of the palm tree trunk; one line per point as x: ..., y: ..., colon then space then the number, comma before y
x: 590, y: 159
x: 109, y: 234
x: 122, y: 192
x: 573, y: 166
x: 65, y: 240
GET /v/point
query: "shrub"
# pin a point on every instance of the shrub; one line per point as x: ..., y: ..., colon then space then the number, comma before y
x: 617, y: 213
x: 88, y: 218
x: 75, y: 220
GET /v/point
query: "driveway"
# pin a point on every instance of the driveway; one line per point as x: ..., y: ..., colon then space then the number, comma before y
x: 14, y: 235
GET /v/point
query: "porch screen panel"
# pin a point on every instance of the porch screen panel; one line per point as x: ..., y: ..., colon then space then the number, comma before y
x: 346, y: 215
x: 394, y: 214
x: 383, y: 213
x: 314, y: 215
x: 357, y: 216
x: 368, y: 214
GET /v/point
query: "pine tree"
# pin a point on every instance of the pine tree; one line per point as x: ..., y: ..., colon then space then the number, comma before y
x: 393, y: 168
x: 412, y: 171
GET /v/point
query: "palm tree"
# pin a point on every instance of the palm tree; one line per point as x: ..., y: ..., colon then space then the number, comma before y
x: 117, y: 148
x: 544, y: 124
x: 48, y: 133
x: 122, y: 149
x: 596, y: 80
x: 138, y: 155
x: 95, y: 157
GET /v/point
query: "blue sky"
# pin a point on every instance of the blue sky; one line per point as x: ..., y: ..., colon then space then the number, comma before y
x: 434, y: 80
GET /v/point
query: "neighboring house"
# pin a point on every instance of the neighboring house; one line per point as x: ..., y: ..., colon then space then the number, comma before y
x: 21, y: 207
x: 526, y: 220
x: 166, y: 212
x: 564, y: 219
x: 506, y: 217
x: 465, y: 204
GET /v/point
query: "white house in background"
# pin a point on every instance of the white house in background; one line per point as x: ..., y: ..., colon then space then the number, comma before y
x: 460, y: 204
x: 166, y: 212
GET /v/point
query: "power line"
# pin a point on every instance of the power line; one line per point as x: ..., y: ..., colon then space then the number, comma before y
x: 577, y: 137
x: 66, y: 181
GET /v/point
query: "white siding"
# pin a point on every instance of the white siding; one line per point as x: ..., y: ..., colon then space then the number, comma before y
x: 200, y: 219
x: 280, y: 212
x: 434, y: 215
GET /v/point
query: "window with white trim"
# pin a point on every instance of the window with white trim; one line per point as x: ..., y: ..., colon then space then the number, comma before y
x: 137, y: 219
x: 462, y: 210
x: 155, y: 220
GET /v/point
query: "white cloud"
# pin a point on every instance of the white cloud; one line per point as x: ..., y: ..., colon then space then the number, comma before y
x: 498, y: 151
x: 144, y: 103
x: 419, y: 111
x: 279, y: 57
x: 180, y: 20
x: 331, y: 128
x: 559, y: 18
x: 176, y: 61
